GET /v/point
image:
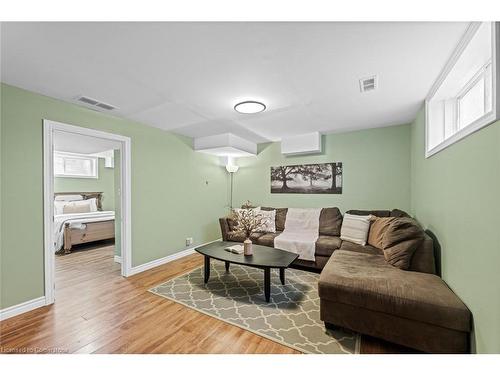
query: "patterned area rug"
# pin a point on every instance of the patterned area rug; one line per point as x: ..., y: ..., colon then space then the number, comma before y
x: 237, y: 297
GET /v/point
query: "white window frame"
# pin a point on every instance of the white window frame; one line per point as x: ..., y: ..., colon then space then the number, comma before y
x: 484, y: 120
x: 93, y: 159
x: 481, y: 74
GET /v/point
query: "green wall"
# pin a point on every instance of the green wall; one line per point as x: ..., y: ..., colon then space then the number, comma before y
x: 376, y: 172
x: 176, y: 193
x: 456, y: 195
x: 105, y: 183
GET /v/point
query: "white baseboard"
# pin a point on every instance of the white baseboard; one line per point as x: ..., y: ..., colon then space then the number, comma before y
x: 167, y: 259
x: 21, y: 308
x: 24, y: 307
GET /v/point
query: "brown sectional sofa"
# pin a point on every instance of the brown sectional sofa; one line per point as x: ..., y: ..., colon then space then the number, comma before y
x: 364, y: 293
x: 360, y: 291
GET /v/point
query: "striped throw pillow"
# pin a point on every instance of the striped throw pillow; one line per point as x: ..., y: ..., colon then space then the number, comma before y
x: 355, y: 228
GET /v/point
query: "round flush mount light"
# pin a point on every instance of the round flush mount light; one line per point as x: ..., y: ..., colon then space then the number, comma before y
x: 249, y: 107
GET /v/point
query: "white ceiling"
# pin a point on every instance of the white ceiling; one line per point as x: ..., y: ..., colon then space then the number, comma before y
x: 82, y: 144
x: 186, y: 77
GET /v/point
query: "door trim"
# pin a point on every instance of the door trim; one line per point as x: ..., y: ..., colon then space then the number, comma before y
x: 49, y: 127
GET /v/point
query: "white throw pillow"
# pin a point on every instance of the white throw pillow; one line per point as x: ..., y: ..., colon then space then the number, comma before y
x: 355, y: 228
x: 269, y: 225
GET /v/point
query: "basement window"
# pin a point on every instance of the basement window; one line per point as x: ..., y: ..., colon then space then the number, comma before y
x: 75, y: 165
x: 464, y: 97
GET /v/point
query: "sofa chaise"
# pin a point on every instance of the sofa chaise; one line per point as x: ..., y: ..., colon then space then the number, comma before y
x: 360, y: 291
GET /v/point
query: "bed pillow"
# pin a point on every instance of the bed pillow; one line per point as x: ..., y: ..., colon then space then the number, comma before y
x: 93, y: 204
x: 355, y: 228
x: 59, y: 206
x: 69, y: 197
x: 77, y: 207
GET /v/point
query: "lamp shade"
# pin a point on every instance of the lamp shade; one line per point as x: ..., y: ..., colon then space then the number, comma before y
x: 231, y: 168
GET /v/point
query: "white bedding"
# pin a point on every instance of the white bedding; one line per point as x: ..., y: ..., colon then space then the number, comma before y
x: 77, y: 221
x: 301, y: 232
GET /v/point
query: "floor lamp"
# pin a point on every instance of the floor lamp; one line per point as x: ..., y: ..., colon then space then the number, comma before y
x: 232, y: 169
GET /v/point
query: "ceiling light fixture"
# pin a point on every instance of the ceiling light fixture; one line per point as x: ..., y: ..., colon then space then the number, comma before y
x: 249, y: 107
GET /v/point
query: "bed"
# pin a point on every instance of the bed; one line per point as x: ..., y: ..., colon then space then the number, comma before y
x: 73, y: 227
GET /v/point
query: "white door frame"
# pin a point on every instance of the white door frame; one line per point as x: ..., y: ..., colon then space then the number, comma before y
x: 48, y: 197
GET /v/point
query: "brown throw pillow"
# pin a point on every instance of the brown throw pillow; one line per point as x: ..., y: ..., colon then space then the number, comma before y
x: 378, y: 228
x: 399, y: 213
x: 281, y: 218
x: 377, y: 213
x: 330, y: 221
x: 232, y: 223
x: 400, y: 240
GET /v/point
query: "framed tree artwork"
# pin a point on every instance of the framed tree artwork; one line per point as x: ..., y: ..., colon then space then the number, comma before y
x: 325, y: 178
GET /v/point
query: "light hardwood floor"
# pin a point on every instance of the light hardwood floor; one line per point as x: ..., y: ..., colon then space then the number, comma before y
x: 98, y: 311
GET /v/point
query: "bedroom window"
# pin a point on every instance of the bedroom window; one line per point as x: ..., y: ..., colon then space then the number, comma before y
x: 464, y: 98
x: 75, y: 165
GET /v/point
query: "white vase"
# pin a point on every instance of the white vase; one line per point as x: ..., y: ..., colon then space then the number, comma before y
x: 247, y: 247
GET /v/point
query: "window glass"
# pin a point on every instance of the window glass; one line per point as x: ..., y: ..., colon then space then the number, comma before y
x: 75, y: 165
x: 58, y: 165
x: 471, y: 105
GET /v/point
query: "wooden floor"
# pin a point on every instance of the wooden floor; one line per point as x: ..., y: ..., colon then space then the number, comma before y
x: 98, y: 311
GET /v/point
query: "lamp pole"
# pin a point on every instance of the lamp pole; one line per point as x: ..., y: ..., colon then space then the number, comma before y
x: 231, y: 168
x: 231, y: 194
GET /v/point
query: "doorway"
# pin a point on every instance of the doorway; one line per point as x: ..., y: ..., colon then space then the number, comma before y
x: 53, y: 133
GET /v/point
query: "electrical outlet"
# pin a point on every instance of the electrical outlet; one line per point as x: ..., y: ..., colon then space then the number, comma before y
x: 189, y: 241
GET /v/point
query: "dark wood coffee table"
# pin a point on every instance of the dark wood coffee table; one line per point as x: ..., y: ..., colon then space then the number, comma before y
x: 263, y: 257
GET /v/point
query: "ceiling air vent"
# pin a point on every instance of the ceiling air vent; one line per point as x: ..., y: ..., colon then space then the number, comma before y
x: 368, y: 83
x: 105, y: 106
x: 95, y: 103
x: 87, y: 100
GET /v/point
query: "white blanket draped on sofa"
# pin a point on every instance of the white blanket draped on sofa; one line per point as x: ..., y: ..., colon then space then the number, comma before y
x: 301, y: 232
